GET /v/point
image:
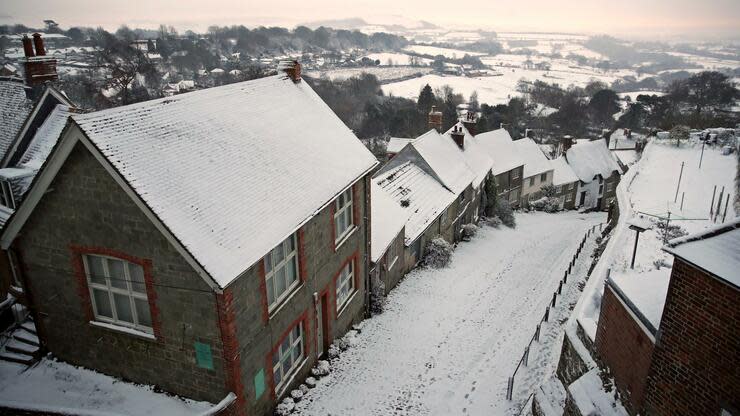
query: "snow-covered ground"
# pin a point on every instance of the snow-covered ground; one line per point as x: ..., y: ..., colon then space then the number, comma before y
x: 383, y: 73
x: 446, y: 52
x: 53, y: 386
x: 449, y: 338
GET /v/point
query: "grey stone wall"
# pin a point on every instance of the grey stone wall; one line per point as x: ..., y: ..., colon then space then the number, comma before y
x: 86, y: 207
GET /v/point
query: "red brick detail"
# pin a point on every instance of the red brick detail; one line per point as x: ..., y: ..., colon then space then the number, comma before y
x: 354, y: 257
x: 303, y: 273
x: 307, y: 336
x: 263, y: 291
x: 695, y: 367
x: 230, y: 350
x: 625, y: 348
x: 83, y: 290
x: 332, y: 211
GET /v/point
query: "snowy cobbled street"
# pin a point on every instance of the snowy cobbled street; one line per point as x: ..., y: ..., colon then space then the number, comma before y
x: 449, y: 338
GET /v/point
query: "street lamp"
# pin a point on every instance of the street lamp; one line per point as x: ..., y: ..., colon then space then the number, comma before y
x: 639, y: 224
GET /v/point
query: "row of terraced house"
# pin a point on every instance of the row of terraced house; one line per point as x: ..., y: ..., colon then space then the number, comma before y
x: 215, y: 243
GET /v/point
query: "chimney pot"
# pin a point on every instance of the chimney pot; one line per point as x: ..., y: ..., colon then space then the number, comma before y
x: 38, y: 42
x: 458, y: 136
x: 27, y: 46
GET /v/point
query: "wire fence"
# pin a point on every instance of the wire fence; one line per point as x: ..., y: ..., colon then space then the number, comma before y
x: 546, y: 316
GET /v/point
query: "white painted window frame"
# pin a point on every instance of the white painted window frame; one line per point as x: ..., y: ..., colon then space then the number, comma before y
x: 295, y: 340
x: 345, y: 285
x: 129, y: 292
x: 343, y: 211
x: 272, y: 267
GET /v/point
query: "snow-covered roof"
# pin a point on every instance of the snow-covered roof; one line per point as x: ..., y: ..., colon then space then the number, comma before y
x: 231, y: 170
x: 446, y: 159
x: 562, y: 173
x: 423, y: 196
x: 501, y: 150
x: 388, y: 218
x: 475, y: 156
x: 45, y: 137
x: 395, y: 144
x: 646, y: 291
x: 591, y: 158
x: 715, y: 250
x: 535, y: 162
x: 14, y: 109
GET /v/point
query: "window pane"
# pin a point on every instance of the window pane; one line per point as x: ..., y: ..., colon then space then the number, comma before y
x: 296, y: 353
x: 102, y: 303
x: 142, y: 312
x: 123, y: 308
x: 285, y: 348
x: 268, y: 263
x: 95, y: 269
x: 291, y: 274
x: 136, y: 273
x: 270, y: 292
x: 291, y: 244
x: 116, y: 274
x: 280, y: 280
x: 278, y: 253
x: 277, y: 374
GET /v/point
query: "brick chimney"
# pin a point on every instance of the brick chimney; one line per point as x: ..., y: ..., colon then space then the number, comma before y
x: 38, y: 68
x: 435, y: 119
x: 458, y: 136
x: 38, y: 43
x: 470, y: 120
x: 566, y: 142
x: 292, y: 68
x: 27, y: 46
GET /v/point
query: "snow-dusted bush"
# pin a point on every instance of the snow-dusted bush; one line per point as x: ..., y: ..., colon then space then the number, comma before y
x: 660, y: 263
x: 469, y: 231
x: 670, y: 232
x: 322, y: 368
x: 547, y: 204
x: 333, y: 351
x: 438, y: 253
x: 494, y: 222
x: 296, y: 395
x: 304, y: 389
x: 285, y: 407
x: 549, y: 190
x: 505, y: 213
x: 377, y: 295
x: 310, y: 382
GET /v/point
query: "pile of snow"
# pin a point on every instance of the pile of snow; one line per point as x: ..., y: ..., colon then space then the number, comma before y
x: 589, y: 396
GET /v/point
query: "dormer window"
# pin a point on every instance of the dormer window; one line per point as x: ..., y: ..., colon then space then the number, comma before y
x: 6, y: 196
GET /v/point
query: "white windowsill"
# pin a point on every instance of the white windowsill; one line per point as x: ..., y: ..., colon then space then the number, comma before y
x: 279, y: 307
x: 123, y: 330
x: 346, y: 303
x: 338, y: 243
x: 393, y: 263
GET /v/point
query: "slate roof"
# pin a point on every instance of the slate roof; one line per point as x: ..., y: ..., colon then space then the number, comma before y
x: 388, y: 218
x: 232, y: 170
x: 715, y: 250
x: 425, y: 198
x: 591, y: 158
x: 14, y: 109
x: 46, y: 137
x: 535, y: 162
x: 501, y: 150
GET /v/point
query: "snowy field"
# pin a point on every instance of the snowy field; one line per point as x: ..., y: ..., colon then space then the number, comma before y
x: 446, y: 52
x: 54, y: 386
x: 449, y: 338
x: 383, y: 73
x: 392, y: 58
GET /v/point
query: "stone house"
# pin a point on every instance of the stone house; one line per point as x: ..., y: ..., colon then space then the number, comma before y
x: 565, y: 182
x: 208, y: 243
x: 476, y: 159
x: 598, y: 172
x: 387, y: 238
x: 538, y: 171
x: 507, y: 163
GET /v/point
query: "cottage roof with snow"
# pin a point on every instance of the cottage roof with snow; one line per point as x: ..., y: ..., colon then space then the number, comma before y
x: 715, y: 250
x: 500, y: 148
x: 475, y: 156
x: 396, y: 144
x: 562, y: 172
x: 388, y: 218
x: 535, y: 162
x: 418, y: 193
x: 14, y: 109
x: 592, y: 158
x: 229, y: 172
x: 446, y: 159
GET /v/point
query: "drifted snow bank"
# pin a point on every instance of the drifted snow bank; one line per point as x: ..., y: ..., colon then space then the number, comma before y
x: 54, y: 386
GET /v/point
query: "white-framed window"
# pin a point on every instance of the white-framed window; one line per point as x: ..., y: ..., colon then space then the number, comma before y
x: 531, y: 181
x: 281, y: 271
x: 571, y: 186
x: 345, y: 284
x: 343, y: 215
x: 515, y: 174
x: 118, y: 292
x: 15, y: 270
x: 288, y: 356
x: 568, y: 197
x: 543, y: 177
x: 6, y: 194
x: 559, y: 189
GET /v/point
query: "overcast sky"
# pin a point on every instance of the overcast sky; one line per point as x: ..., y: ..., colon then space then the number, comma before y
x: 639, y: 18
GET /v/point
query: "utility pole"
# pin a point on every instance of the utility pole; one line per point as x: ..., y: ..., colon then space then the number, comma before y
x: 711, y: 206
x: 679, y: 183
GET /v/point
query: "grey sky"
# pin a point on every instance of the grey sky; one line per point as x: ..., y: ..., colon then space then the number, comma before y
x: 638, y: 18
